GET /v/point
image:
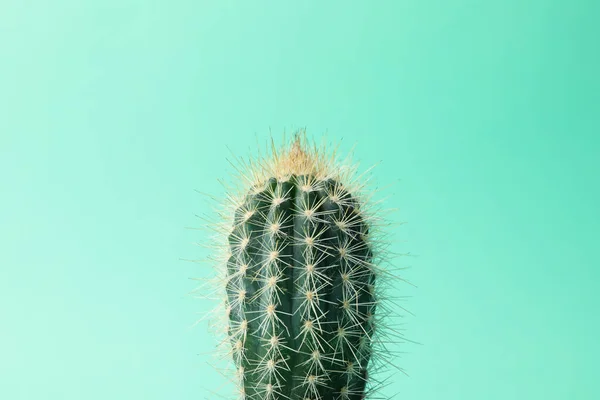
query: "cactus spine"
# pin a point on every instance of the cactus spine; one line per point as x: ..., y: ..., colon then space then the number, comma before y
x: 300, y: 279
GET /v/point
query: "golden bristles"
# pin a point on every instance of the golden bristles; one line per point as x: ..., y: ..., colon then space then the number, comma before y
x: 296, y: 157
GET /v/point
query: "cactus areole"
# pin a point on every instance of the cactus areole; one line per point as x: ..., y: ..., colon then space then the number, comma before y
x: 299, y: 280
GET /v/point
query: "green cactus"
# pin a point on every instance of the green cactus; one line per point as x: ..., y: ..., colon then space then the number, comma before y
x: 300, y: 278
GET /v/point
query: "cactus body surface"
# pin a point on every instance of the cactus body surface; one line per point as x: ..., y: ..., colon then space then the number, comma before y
x: 300, y: 291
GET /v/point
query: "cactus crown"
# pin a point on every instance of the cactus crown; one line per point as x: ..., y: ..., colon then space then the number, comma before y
x: 300, y: 259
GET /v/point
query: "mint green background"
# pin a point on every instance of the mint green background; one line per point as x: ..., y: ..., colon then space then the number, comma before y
x: 113, y: 112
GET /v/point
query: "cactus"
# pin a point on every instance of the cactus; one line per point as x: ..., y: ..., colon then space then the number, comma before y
x: 299, y: 277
